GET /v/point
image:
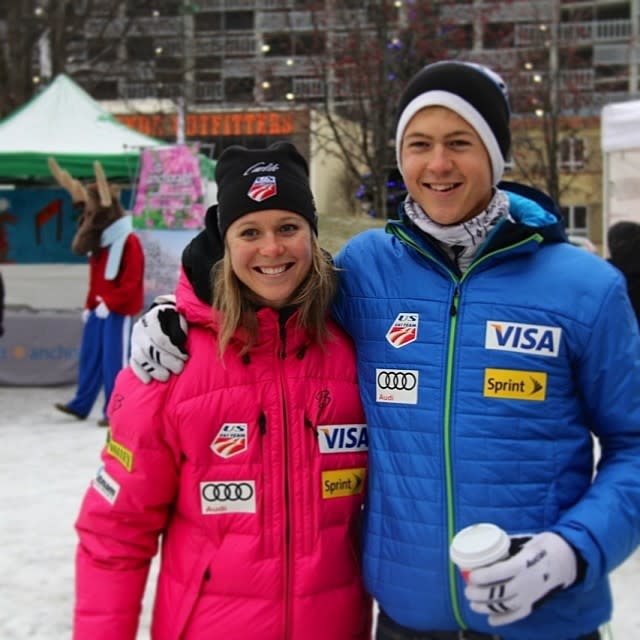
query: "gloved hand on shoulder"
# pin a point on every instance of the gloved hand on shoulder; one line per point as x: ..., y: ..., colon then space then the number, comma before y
x: 509, y: 590
x: 157, y: 341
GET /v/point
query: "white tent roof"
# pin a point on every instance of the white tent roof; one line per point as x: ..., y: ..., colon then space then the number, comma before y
x: 65, y: 122
x: 620, y: 126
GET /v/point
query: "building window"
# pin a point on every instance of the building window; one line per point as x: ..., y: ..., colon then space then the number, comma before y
x: 576, y: 220
x: 572, y: 153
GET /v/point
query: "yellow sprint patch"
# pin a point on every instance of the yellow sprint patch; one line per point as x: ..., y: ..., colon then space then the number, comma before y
x: 515, y: 385
x: 118, y: 451
x: 343, y: 482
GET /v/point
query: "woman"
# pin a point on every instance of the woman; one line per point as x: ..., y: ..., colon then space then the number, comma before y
x: 251, y: 465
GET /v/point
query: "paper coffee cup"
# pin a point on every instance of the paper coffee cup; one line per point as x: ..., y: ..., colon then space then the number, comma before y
x: 477, y: 546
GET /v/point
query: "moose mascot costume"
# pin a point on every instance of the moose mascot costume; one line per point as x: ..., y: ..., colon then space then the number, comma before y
x: 116, y: 289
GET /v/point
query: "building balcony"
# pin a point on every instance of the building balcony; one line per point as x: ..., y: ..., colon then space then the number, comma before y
x: 304, y: 88
x: 275, y: 4
x: 289, y: 20
x: 116, y: 27
x: 499, y: 59
x: 240, y: 45
x: 532, y: 11
x: 286, y: 66
x: 616, y: 54
x: 602, y: 98
x: 208, y: 47
x: 576, y: 33
x: 138, y: 90
x: 569, y: 80
x: 208, y: 91
x: 238, y: 68
x: 227, y: 5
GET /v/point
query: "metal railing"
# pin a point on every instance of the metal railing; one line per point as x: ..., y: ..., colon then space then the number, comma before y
x: 574, y: 33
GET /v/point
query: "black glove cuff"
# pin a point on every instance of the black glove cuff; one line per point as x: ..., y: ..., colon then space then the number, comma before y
x: 581, y: 564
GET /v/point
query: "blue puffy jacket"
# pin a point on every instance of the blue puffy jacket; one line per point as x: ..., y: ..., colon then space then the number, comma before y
x: 482, y: 393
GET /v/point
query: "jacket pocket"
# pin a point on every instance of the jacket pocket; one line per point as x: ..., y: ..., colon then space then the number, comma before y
x: 195, y: 585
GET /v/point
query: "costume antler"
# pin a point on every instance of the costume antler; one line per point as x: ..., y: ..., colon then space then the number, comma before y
x: 75, y: 188
x: 103, y: 186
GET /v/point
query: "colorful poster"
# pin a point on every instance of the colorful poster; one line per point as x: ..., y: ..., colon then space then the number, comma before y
x: 162, y: 254
x: 170, y: 193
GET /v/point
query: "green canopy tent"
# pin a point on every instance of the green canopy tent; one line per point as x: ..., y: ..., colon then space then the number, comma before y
x: 65, y: 122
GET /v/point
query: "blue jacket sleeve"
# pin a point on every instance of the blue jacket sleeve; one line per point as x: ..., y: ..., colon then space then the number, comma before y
x: 605, y: 524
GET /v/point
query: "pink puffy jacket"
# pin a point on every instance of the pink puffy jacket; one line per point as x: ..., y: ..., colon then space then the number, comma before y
x: 252, y: 473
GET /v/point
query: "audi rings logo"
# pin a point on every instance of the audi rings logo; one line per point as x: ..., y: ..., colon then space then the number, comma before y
x: 399, y: 386
x: 224, y: 497
x: 397, y: 380
x: 232, y: 491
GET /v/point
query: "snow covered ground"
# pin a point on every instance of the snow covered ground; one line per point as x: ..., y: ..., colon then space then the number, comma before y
x: 46, y: 463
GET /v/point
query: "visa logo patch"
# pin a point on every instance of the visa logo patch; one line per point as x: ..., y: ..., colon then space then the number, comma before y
x: 535, y: 339
x: 515, y: 385
x: 404, y: 330
x: 343, y: 438
x: 343, y: 482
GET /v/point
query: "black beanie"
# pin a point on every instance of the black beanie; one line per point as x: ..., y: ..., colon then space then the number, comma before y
x: 260, y: 179
x: 474, y: 92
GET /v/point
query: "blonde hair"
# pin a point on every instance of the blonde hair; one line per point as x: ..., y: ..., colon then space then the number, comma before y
x: 238, y: 304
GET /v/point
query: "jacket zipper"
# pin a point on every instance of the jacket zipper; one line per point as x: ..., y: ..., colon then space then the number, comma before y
x: 287, y: 534
x: 453, y: 323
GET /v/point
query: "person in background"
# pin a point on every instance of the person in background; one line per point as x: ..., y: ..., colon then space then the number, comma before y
x: 251, y: 466
x: 623, y: 240
x: 490, y: 352
x: 116, y: 288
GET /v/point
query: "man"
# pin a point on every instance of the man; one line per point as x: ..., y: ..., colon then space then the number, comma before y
x: 490, y: 352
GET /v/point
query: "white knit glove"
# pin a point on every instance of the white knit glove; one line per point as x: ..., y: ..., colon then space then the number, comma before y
x: 102, y: 311
x: 85, y: 315
x: 157, y: 341
x: 509, y: 590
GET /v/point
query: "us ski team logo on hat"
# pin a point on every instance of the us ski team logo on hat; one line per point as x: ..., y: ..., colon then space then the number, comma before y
x: 263, y: 187
x: 404, y: 330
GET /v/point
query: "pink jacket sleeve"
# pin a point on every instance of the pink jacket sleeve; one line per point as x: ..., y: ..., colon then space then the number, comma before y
x: 123, y: 513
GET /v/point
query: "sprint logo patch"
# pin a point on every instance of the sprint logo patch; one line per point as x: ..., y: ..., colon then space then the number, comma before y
x: 118, y: 451
x: 404, y: 330
x: 231, y: 440
x: 106, y: 486
x: 538, y: 340
x: 343, y: 438
x: 343, y: 482
x: 508, y: 384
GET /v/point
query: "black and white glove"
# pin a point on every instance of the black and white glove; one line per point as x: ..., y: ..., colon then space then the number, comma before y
x: 509, y: 590
x: 157, y: 341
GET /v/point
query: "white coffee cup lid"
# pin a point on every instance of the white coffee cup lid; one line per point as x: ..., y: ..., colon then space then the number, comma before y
x: 479, y: 545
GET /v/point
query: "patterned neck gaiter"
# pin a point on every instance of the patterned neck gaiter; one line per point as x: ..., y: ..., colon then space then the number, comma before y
x: 461, y: 241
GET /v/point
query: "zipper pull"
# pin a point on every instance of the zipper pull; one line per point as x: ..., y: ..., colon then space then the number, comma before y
x: 262, y: 423
x: 453, y: 309
x: 309, y: 425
